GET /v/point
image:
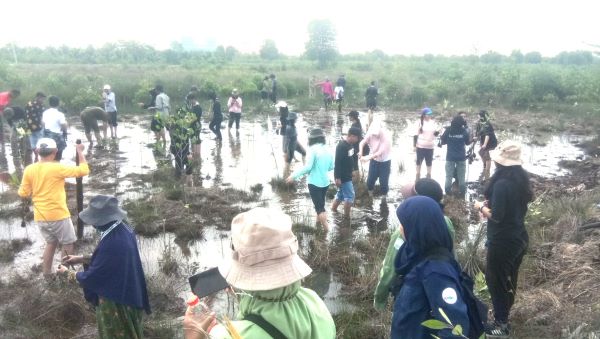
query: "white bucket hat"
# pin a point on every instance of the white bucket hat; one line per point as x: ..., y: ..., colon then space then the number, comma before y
x: 507, y: 153
x: 265, y: 252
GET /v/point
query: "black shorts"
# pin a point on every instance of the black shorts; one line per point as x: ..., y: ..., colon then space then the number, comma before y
x: 371, y: 103
x: 156, y: 125
x: 317, y: 195
x: 425, y: 153
x: 112, y: 118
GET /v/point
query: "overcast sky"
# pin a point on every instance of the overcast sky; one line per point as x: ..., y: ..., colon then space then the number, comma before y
x: 394, y: 26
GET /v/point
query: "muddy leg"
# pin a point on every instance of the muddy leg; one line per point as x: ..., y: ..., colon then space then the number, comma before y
x: 335, y: 205
x: 48, y: 257
x: 322, y: 217
x: 347, y: 207
x: 418, y: 172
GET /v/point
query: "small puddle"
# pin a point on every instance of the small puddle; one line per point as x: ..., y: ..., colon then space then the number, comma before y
x: 243, y: 160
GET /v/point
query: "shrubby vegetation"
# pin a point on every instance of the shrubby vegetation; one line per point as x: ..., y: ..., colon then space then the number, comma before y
x: 570, y: 81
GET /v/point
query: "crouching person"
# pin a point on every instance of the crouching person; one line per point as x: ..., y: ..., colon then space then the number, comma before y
x: 113, y: 280
x: 265, y: 265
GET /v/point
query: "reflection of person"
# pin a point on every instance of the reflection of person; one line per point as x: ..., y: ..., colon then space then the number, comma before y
x: 110, y: 106
x: 456, y: 137
x: 379, y: 157
x: 431, y: 274
x: 113, y: 280
x: 89, y: 117
x: 55, y: 125
x: 44, y: 182
x: 342, y: 172
x: 234, y: 105
x: 319, y: 163
x: 508, y: 193
x: 265, y: 265
x: 35, y: 110
x: 389, y: 282
x: 487, y: 140
x: 424, y: 141
x: 371, y: 96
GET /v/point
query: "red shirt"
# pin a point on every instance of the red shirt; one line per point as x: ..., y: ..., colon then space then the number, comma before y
x: 4, y: 100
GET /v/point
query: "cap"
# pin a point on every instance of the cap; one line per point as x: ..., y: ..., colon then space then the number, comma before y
x: 106, y: 86
x: 427, y: 111
x: 353, y: 114
x: 47, y: 143
x: 355, y: 131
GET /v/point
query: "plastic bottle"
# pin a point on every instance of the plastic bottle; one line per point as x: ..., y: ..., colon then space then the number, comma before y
x: 195, y: 305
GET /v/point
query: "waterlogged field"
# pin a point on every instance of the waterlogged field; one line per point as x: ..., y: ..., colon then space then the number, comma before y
x: 183, y: 225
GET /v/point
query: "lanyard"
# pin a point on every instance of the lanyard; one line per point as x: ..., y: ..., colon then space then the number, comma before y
x: 105, y: 233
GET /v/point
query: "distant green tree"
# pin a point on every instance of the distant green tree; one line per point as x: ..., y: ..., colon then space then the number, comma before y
x: 517, y: 56
x: 574, y: 58
x: 269, y: 50
x: 231, y: 52
x: 321, y: 45
x: 492, y: 57
x: 533, y: 58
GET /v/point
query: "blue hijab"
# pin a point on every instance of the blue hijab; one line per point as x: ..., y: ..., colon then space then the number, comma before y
x: 115, y: 272
x: 425, y: 230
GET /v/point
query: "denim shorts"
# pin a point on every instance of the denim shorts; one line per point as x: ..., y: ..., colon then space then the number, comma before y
x: 34, y: 137
x: 345, y: 192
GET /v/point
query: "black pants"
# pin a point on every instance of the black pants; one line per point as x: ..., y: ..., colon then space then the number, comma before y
x: 215, y: 127
x: 317, y: 195
x: 501, y: 275
x: 234, y: 117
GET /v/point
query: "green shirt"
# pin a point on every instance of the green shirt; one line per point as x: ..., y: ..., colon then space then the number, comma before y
x: 319, y: 163
x: 387, y: 274
x: 296, y: 311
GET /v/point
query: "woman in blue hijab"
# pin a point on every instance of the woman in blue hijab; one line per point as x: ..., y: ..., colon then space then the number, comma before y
x: 431, y: 276
x: 113, y: 280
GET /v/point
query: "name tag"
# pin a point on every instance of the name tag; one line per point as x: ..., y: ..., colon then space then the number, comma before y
x: 398, y: 243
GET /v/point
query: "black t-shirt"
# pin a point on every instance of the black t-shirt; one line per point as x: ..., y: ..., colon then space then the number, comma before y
x: 371, y: 92
x: 217, y: 110
x: 344, y: 163
x: 341, y: 82
x: 487, y: 129
x: 508, y: 214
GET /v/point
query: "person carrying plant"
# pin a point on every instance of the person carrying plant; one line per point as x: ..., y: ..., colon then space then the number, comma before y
x: 44, y: 183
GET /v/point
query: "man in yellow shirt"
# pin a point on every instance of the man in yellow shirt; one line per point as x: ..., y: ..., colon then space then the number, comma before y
x: 44, y: 182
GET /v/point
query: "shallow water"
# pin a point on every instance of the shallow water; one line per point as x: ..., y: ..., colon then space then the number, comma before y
x: 252, y: 157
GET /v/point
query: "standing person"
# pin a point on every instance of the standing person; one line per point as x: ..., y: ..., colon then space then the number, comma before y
x: 55, y: 125
x: 110, y: 107
x: 5, y: 99
x: 193, y: 106
x: 113, y: 278
x: 19, y: 142
x: 341, y: 81
x: 163, y: 111
x: 89, y: 118
x: 431, y: 287
x: 371, y: 96
x: 284, y: 112
x: 507, y: 195
x: 424, y: 140
x: 274, y: 305
x: 34, y: 111
x: 339, y: 97
x: 327, y: 90
x: 389, y: 282
x: 291, y: 144
x: 342, y: 171
x: 353, y: 116
x: 320, y: 162
x: 264, y: 91
x: 273, y: 92
x: 456, y: 137
x: 380, y: 151
x: 44, y: 182
x: 487, y: 140
x: 217, y: 117
x: 234, y: 105
x: 312, y: 82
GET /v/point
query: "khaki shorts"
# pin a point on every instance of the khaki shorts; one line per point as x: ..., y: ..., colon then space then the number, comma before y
x: 60, y: 231
x: 485, y: 154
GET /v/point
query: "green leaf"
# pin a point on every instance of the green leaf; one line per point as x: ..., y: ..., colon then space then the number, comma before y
x: 457, y: 330
x: 482, y: 336
x: 435, y: 324
x: 444, y: 315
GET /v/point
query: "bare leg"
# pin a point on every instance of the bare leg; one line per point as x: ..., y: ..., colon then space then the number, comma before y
x: 418, y: 172
x: 486, y: 170
x: 104, y: 128
x: 48, y: 257
x: 98, y: 137
x: 89, y: 137
x: 335, y: 205
x: 322, y: 217
x: 347, y: 207
x: 428, y: 172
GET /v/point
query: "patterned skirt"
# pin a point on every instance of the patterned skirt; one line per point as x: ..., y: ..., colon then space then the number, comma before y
x: 118, y: 321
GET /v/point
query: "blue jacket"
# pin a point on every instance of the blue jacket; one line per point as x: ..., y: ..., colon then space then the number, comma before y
x: 431, y: 285
x: 456, y: 144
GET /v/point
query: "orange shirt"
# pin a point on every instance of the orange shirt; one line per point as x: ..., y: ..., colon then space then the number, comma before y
x: 45, y: 183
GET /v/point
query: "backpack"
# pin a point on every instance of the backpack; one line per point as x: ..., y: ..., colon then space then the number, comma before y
x: 476, y: 309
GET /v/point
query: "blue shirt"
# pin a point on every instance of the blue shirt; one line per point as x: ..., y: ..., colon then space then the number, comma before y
x: 431, y: 285
x: 456, y: 144
x: 319, y: 163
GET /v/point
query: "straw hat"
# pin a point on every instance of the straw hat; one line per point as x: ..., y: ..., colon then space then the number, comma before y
x: 101, y: 210
x: 265, y: 252
x: 507, y: 153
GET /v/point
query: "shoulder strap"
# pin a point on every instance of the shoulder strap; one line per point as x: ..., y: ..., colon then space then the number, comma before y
x: 265, y: 325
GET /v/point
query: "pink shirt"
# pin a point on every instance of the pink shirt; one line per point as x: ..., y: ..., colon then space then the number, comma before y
x: 4, y: 100
x: 234, y: 105
x: 426, y: 138
x: 380, y: 144
x: 327, y: 88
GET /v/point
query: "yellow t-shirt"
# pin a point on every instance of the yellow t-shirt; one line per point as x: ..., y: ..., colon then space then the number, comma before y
x: 45, y: 183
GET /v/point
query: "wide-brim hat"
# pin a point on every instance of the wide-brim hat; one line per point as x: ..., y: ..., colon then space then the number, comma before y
x: 101, y: 210
x: 507, y: 153
x: 316, y: 133
x: 265, y: 252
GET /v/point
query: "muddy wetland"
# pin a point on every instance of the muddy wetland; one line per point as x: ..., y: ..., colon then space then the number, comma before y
x: 183, y: 224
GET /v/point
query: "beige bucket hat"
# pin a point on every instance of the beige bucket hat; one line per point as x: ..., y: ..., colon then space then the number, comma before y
x: 265, y: 252
x: 507, y: 153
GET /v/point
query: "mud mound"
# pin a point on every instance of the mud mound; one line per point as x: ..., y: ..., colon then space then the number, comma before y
x: 8, y: 249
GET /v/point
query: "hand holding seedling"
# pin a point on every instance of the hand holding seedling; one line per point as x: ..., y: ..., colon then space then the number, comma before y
x: 73, y: 259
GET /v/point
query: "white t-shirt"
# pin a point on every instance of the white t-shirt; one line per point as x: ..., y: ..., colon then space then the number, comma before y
x: 163, y: 106
x: 109, y: 102
x: 426, y: 138
x: 339, y: 92
x: 53, y: 119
